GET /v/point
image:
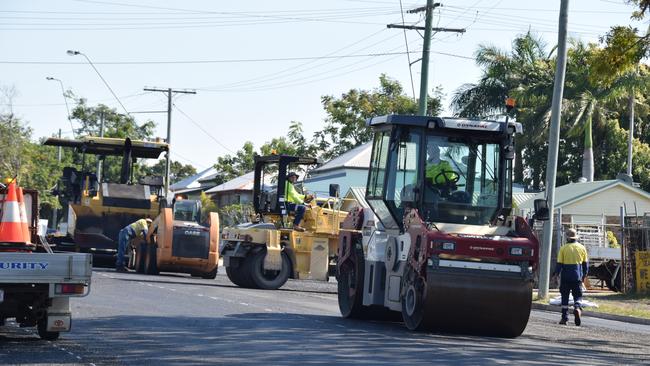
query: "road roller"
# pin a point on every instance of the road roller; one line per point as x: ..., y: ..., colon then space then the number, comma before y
x: 435, y: 239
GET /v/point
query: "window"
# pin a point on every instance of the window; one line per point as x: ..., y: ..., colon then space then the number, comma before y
x: 403, y: 173
x: 378, y: 168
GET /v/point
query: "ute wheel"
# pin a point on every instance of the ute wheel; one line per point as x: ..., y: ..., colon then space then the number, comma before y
x: 413, y: 302
x: 151, y: 265
x: 210, y: 275
x: 140, y: 257
x: 269, y: 280
x: 350, y: 287
x: 43, y: 333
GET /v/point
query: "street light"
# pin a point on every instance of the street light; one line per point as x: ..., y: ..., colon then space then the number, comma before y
x: 74, y: 53
x: 65, y: 99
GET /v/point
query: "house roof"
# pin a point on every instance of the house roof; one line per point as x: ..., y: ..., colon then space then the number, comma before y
x: 192, y: 182
x: 357, y: 158
x: 570, y: 193
x: 243, y: 182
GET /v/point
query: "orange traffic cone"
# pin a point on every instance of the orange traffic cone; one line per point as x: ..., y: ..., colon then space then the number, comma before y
x: 23, y: 215
x: 11, y: 227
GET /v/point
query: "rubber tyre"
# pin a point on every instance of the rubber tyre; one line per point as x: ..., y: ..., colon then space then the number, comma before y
x: 132, y: 260
x: 151, y: 265
x: 43, y: 333
x: 351, y: 305
x: 269, y: 280
x: 210, y: 275
x: 140, y: 257
x: 241, y: 275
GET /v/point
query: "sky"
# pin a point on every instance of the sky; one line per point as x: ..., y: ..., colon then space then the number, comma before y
x: 255, y: 65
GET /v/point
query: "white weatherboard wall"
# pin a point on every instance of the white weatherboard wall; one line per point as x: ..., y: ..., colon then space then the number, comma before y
x: 345, y: 178
x: 608, y: 202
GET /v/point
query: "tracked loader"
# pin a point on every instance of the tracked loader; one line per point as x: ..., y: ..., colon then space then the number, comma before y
x: 437, y: 241
x: 267, y: 251
x: 177, y: 241
x: 97, y: 209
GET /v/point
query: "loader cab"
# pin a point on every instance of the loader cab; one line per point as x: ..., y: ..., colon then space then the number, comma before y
x: 451, y: 170
x: 270, y: 179
x: 187, y: 210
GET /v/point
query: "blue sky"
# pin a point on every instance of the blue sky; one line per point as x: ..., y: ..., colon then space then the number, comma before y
x: 256, y: 65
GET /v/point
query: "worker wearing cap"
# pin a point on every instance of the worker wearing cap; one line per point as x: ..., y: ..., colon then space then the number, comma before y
x: 295, y: 200
x: 572, y: 266
x: 127, y: 234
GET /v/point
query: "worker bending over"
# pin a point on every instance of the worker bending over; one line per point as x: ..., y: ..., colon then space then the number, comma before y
x: 127, y: 234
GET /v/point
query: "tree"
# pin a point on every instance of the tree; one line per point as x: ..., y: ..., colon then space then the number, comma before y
x: 177, y: 170
x: 34, y: 166
x: 115, y: 125
x: 345, y: 125
x: 232, y: 166
x: 594, y: 95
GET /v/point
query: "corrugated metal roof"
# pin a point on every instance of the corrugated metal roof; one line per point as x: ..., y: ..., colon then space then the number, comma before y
x: 572, y: 192
x: 518, y: 198
x: 242, y: 183
x: 359, y: 157
x: 192, y: 181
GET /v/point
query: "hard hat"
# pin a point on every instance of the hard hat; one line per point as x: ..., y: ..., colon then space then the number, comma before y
x: 148, y: 220
x: 292, y: 174
x: 572, y: 234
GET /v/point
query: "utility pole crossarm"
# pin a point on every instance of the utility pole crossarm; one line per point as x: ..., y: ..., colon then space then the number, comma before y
x: 170, y: 92
x: 435, y: 29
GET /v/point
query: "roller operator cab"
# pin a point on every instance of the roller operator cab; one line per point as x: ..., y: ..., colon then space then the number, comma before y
x: 266, y: 251
x: 437, y: 241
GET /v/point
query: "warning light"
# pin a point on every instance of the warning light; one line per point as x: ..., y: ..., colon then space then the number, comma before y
x: 510, y: 103
x: 274, y: 152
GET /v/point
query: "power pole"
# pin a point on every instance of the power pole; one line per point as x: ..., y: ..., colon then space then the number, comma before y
x: 58, y: 159
x: 169, y: 92
x: 424, y: 78
x: 101, y: 134
x: 553, y: 146
x: 630, y: 138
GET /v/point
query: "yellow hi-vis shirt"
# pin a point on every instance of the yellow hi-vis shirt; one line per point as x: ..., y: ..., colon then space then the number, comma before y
x: 572, y: 262
x: 140, y: 226
x: 291, y: 195
x: 433, y: 172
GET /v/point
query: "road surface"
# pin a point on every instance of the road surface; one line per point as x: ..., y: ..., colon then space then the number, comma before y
x: 172, y: 319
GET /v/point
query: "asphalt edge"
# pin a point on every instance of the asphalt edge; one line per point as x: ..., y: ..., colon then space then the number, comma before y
x: 594, y: 314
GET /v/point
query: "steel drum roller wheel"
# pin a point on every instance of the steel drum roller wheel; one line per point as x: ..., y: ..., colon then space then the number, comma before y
x: 412, y: 307
x: 350, y: 286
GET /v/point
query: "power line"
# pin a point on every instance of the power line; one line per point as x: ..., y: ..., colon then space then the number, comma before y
x: 378, y: 54
x: 202, y: 129
x: 408, y: 56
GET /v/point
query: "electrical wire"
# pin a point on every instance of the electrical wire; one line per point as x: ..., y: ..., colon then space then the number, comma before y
x: 408, y: 56
x: 202, y: 129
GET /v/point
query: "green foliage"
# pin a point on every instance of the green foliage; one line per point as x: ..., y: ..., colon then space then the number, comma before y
x: 232, y: 166
x: 115, y: 125
x: 345, y: 126
x: 594, y: 106
x: 207, y: 206
x: 177, y: 170
x: 611, y: 239
x: 236, y: 214
x: 33, y: 165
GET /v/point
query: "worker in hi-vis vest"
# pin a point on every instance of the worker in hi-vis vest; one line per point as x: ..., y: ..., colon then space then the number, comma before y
x: 127, y: 234
x: 295, y: 200
x: 572, y: 267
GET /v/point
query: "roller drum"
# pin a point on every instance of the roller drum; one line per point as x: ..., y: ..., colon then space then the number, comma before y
x: 471, y: 302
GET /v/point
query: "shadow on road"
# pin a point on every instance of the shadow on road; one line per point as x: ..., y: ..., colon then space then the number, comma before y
x: 281, y: 338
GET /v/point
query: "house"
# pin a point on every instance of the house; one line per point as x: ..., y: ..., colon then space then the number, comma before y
x: 236, y: 191
x: 192, y: 186
x: 350, y: 169
x: 593, y: 200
